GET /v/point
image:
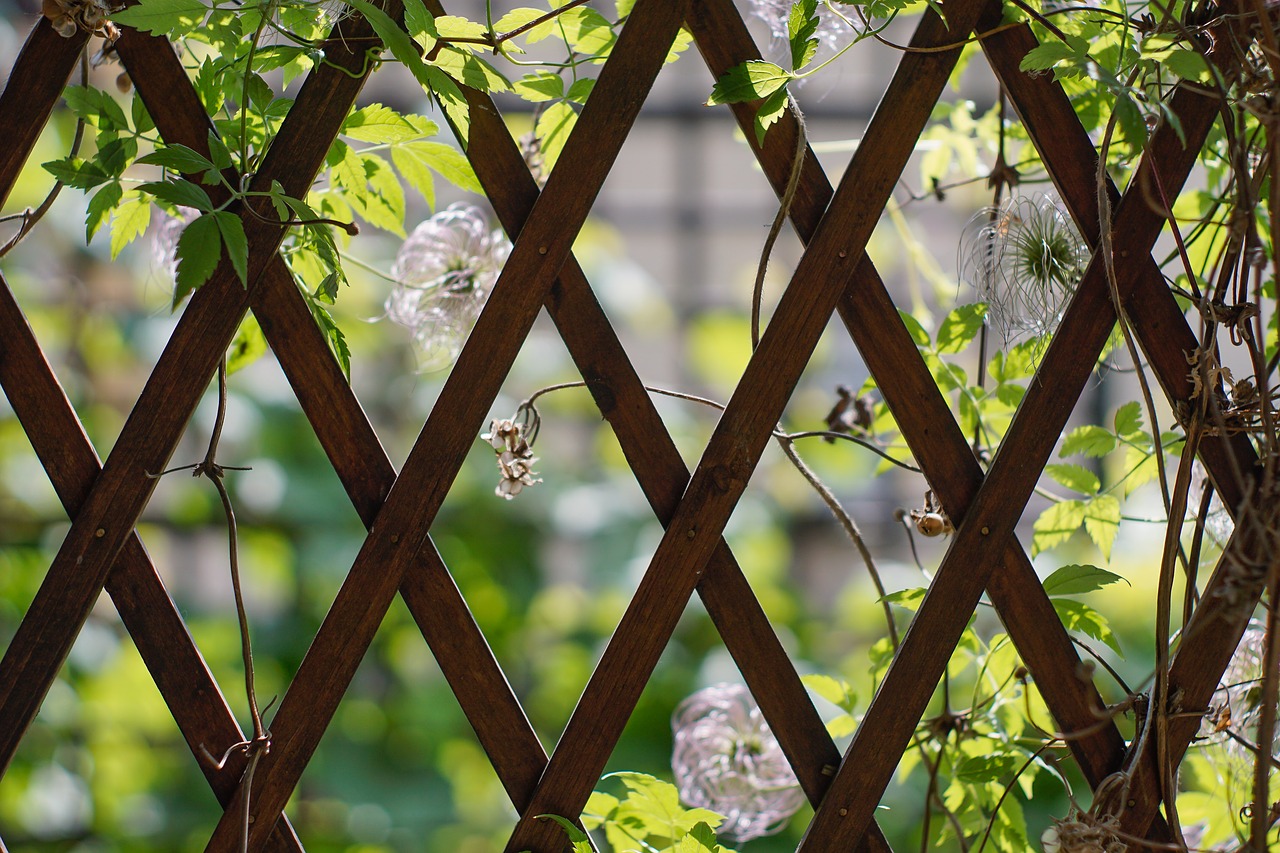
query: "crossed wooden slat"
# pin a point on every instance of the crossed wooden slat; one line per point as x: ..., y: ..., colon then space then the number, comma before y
x: 833, y: 269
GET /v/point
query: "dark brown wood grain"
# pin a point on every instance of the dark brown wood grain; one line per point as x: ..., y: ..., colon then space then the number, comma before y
x: 360, y: 462
x: 1165, y: 337
x: 136, y: 590
x: 33, y: 88
x: 869, y: 314
x: 400, y: 531
x: 107, y: 516
x: 746, y: 425
x: 888, y: 724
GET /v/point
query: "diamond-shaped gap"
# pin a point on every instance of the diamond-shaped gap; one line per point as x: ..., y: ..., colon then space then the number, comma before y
x: 411, y: 768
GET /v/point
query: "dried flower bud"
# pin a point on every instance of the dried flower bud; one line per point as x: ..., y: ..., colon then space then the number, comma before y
x: 515, y: 457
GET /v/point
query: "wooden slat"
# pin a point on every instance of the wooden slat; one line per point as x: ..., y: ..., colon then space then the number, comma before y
x: 358, y: 458
x: 35, y: 83
x: 136, y: 590
x: 653, y: 456
x: 151, y: 433
x: 1165, y: 337
x: 744, y: 429
x: 888, y: 724
x: 399, y: 533
x: 869, y: 314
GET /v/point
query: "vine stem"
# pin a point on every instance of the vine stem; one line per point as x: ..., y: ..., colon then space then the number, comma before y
x: 260, y: 744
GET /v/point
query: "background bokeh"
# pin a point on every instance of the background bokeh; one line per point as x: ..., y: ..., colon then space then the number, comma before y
x: 670, y: 251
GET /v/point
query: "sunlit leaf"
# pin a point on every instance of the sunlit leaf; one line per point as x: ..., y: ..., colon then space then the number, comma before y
x: 1077, y: 578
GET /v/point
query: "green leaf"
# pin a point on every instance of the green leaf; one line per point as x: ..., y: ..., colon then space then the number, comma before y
x: 142, y: 121
x: 179, y: 158
x: 581, y: 843
x: 908, y: 598
x: 378, y: 124
x: 960, y: 327
x: 581, y: 89
x: 1102, y: 522
x: 802, y: 24
x: 78, y: 173
x: 1078, y: 578
x: 248, y: 346
x: 539, y: 86
x: 553, y: 129
x: 988, y: 768
x: 419, y: 22
x: 232, y: 231
x: 917, y: 332
x: 770, y: 111
x: 1128, y: 420
x: 516, y: 18
x: 1078, y: 616
x: 837, y: 691
x: 199, y: 249
x: 1056, y: 525
x: 180, y: 193
x: 1091, y: 440
x: 102, y: 203
x: 416, y: 161
x: 1075, y: 477
x: 753, y: 79
x: 337, y: 341
x: 469, y: 70
x: 162, y: 17
x: 1189, y: 65
x: 132, y: 216
x: 1045, y: 56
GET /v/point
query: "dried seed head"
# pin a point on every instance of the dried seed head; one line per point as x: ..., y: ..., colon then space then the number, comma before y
x: 1025, y: 259
x: 443, y: 273
x: 726, y: 759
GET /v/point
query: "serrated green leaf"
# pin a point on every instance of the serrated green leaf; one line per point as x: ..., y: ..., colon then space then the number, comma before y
x: 162, y: 17
x: 470, y: 70
x: 219, y: 153
x: 539, y: 86
x: 960, y: 327
x: 837, y: 691
x: 132, y: 216
x: 142, y: 122
x: 908, y: 598
x: 988, y: 768
x: 232, y: 231
x: 78, y: 173
x: 419, y: 22
x: 1056, y: 525
x: 1075, y: 477
x: 1102, y: 522
x: 248, y: 346
x: 1045, y: 56
x: 1090, y: 440
x: 378, y: 124
x: 1128, y: 419
x: 1079, y: 578
x: 333, y: 335
x: 179, y: 158
x: 581, y: 843
x: 199, y: 249
x: 770, y: 111
x: 1189, y: 65
x: 580, y: 89
x: 102, y: 203
x: 917, y: 332
x: 749, y: 81
x: 553, y: 129
x: 1078, y: 616
x: 802, y: 24
x: 180, y: 193
x: 516, y: 18
x: 586, y: 31
x: 417, y: 160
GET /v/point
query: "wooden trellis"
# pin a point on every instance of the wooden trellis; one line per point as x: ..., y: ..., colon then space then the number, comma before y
x: 105, y: 500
